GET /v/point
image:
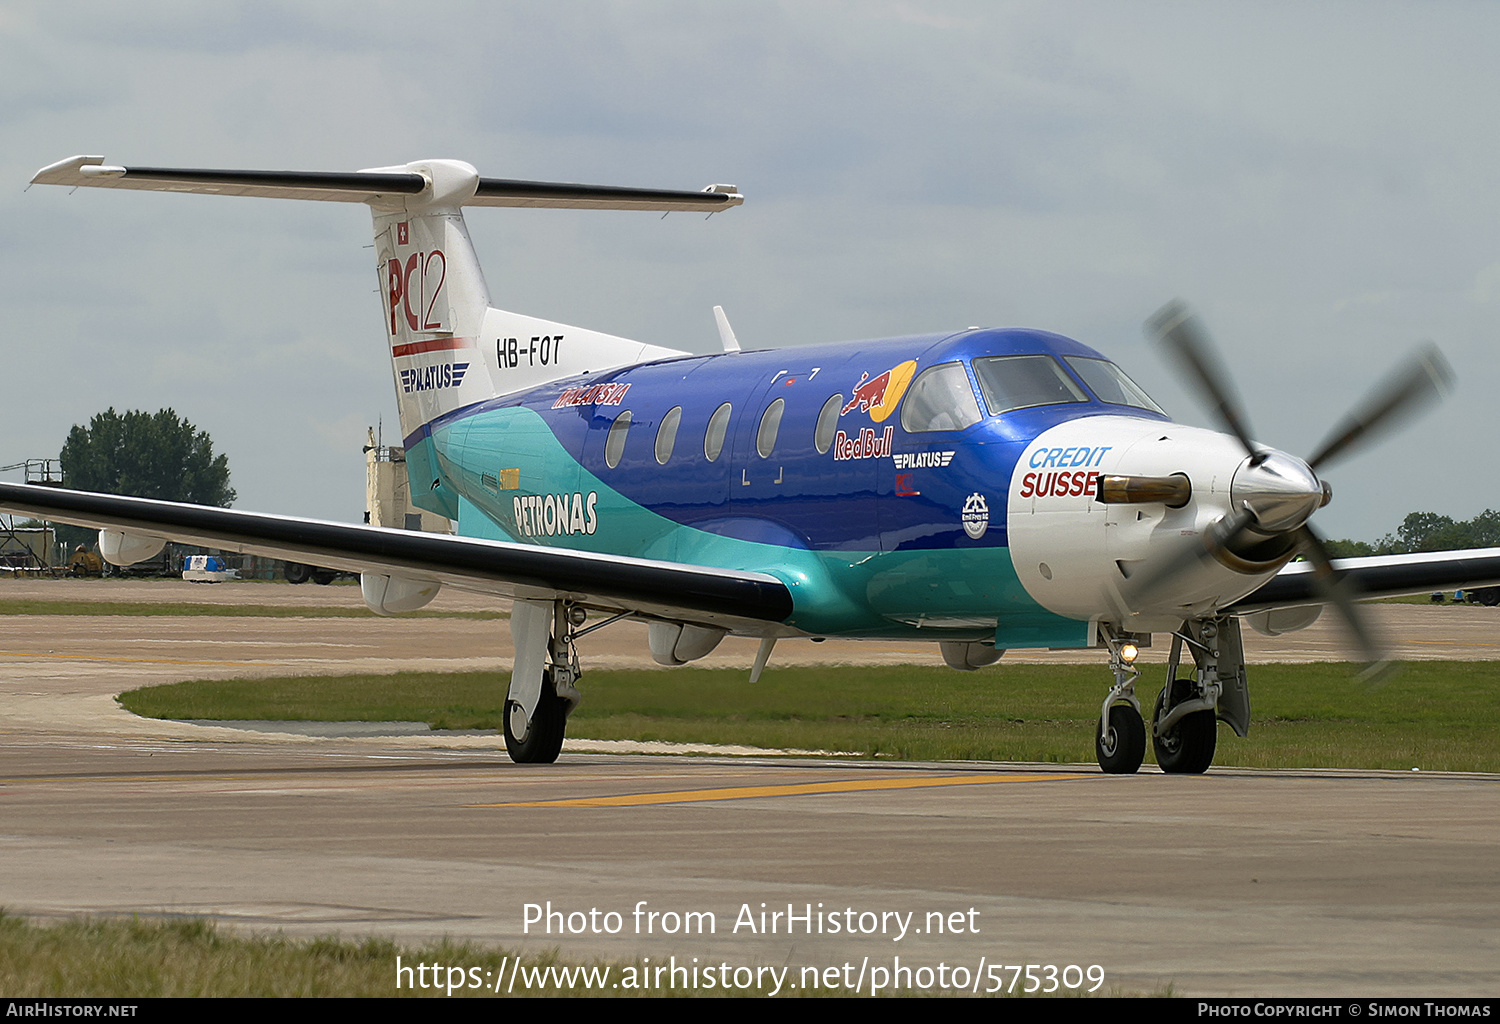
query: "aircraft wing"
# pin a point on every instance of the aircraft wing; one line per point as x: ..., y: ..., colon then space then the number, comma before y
x: 718, y: 596
x: 1380, y: 576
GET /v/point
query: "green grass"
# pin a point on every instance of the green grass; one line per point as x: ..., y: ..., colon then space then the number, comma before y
x: 1437, y: 716
x: 175, y: 608
x: 133, y: 958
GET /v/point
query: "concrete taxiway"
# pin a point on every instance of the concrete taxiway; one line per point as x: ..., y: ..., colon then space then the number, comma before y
x: 1234, y: 883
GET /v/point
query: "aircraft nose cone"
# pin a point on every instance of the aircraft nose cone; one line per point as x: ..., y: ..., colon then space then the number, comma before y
x: 1280, y: 490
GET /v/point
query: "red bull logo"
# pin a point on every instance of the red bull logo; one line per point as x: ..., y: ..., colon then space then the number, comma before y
x: 868, y: 445
x: 880, y: 395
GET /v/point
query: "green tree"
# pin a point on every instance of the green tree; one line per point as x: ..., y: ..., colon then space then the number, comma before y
x: 1429, y: 531
x: 1348, y: 548
x: 146, y: 456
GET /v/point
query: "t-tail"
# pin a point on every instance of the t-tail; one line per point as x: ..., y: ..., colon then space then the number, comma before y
x: 449, y: 347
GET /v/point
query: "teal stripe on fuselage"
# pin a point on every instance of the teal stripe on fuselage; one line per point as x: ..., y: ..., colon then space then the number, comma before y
x: 506, y: 477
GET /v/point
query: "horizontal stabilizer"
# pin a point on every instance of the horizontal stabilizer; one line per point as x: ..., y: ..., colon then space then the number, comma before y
x: 390, y: 185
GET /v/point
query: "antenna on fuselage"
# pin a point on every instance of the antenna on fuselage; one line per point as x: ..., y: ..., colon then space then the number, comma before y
x: 726, y: 333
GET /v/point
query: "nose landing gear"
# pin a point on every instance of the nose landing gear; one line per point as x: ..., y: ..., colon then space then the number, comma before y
x: 1120, y: 743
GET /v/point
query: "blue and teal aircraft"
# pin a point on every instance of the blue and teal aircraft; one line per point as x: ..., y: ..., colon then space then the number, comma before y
x: 982, y: 489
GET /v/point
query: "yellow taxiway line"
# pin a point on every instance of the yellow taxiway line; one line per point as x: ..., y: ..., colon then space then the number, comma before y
x: 687, y: 796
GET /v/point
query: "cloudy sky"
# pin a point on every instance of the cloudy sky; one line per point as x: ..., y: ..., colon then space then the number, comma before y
x: 1322, y: 182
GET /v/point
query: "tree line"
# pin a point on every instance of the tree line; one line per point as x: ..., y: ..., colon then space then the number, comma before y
x: 1427, y: 531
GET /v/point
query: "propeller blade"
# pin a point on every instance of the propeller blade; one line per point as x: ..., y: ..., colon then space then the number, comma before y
x: 1219, y: 536
x: 1176, y: 327
x: 1339, y: 590
x: 1423, y: 378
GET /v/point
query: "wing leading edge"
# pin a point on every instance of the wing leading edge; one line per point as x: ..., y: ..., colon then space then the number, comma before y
x: 720, y: 596
x: 1379, y: 576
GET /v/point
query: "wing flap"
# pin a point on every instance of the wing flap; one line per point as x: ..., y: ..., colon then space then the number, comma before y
x: 654, y: 587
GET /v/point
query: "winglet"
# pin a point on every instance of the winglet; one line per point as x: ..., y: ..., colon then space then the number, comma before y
x: 726, y: 333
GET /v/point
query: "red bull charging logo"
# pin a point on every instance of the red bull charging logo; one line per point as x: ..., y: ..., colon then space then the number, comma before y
x: 880, y: 395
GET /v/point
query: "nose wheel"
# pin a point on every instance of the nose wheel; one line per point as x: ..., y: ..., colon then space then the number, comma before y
x: 1121, y: 745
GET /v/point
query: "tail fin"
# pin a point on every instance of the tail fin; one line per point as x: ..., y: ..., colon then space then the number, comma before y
x: 449, y: 347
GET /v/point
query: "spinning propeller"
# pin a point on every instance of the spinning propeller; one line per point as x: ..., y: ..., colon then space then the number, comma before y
x: 1274, y: 494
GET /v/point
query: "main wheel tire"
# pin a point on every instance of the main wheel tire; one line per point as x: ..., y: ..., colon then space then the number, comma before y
x: 1188, y: 747
x: 1122, y: 749
x: 1488, y: 596
x: 296, y: 572
x: 323, y: 577
x: 544, y: 739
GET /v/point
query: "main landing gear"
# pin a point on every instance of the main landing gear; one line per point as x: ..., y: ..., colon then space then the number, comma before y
x: 542, y: 691
x: 1184, y: 722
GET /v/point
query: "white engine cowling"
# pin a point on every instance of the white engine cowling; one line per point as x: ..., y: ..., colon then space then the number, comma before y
x: 1069, y: 550
x: 392, y: 595
x: 118, y: 548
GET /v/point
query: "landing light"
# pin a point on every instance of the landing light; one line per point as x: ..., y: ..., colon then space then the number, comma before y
x: 1128, y: 653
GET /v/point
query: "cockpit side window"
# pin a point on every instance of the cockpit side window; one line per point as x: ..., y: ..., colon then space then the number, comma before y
x: 1021, y: 382
x: 1109, y: 383
x: 940, y: 399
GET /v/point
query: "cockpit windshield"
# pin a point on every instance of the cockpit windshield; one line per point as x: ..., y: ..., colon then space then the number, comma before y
x: 1109, y: 383
x: 940, y: 399
x: 1020, y: 382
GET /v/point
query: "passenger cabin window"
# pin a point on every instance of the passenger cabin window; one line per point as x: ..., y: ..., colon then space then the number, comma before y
x: 666, y: 434
x: 1109, y: 383
x: 770, y: 426
x: 614, y: 444
x: 828, y: 422
x: 940, y: 399
x: 713, y: 437
x: 1021, y: 382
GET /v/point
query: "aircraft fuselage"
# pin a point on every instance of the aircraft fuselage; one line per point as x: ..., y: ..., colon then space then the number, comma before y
x: 890, y: 501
